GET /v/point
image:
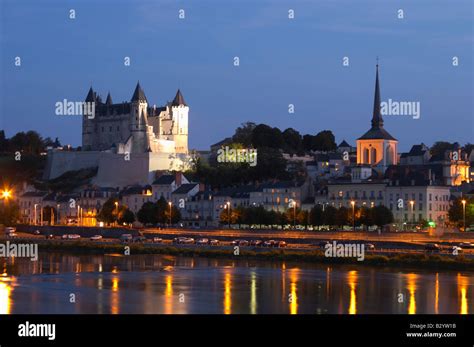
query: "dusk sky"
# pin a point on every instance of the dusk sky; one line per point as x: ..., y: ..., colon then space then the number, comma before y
x: 282, y: 61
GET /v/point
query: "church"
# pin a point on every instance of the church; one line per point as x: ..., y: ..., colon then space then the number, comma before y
x: 136, y: 126
x: 377, y: 148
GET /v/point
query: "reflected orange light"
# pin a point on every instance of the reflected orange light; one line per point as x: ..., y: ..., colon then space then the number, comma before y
x: 437, y: 294
x: 293, y: 291
x: 5, y: 297
x: 352, y: 279
x: 411, y: 285
x: 462, y: 285
x: 169, y: 294
x: 227, y: 294
x: 114, y: 298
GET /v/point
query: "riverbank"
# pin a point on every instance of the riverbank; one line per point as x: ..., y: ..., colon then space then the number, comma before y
x: 314, y: 256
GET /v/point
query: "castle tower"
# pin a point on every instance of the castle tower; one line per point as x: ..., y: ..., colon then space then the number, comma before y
x: 88, y: 123
x: 179, y: 111
x: 377, y: 147
x: 138, y: 121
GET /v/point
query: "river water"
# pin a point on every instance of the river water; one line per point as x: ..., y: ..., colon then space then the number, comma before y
x: 60, y: 283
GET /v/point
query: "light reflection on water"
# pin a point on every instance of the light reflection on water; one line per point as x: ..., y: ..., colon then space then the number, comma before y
x: 166, y: 284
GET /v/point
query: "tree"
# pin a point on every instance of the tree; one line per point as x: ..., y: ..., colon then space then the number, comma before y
x: 148, y: 213
x: 293, y: 142
x: 342, y: 216
x: 381, y: 216
x: 108, y: 213
x: 455, y: 212
x: 316, y: 215
x: 364, y: 216
x: 50, y: 214
x: 324, y: 141
x: 329, y: 215
x: 440, y: 147
x: 127, y: 217
x: 243, y: 134
x: 9, y: 213
x: 266, y: 136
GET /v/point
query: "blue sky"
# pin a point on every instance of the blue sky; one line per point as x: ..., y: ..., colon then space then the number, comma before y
x: 282, y: 62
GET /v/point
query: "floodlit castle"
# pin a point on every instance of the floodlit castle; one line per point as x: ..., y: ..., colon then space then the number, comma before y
x: 127, y: 142
x: 135, y: 126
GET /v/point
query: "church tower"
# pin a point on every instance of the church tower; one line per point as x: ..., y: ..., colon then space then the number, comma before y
x: 179, y: 111
x: 139, y: 121
x: 377, y: 147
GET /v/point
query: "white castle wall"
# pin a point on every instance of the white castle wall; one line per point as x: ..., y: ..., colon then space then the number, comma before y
x: 60, y: 162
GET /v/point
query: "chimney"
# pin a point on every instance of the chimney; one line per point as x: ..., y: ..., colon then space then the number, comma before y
x: 178, y: 178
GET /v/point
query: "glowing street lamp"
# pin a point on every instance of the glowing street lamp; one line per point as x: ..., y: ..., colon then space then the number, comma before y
x: 227, y: 206
x: 412, y: 203
x: 116, y: 211
x: 6, y: 194
x: 353, y: 215
x: 464, y: 213
x: 170, y: 204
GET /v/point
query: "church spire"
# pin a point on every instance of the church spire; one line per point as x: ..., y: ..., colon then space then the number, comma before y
x: 90, y: 95
x: 178, y: 99
x: 377, y: 120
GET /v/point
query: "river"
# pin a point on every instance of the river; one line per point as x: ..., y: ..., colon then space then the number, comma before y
x: 62, y: 283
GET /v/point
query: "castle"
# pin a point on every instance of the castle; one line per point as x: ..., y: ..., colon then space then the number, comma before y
x: 127, y: 142
x: 135, y: 126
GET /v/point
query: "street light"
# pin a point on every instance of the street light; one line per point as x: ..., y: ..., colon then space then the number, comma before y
x: 170, y: 204
x: 227, y: 206
x: 412, y: 214
x: 36, y: 218
x: 353, y: 215
x: 464, y: 213
x: 116, y: 212
x: 6, y: 194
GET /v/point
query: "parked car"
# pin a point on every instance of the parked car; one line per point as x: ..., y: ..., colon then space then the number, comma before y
x: 139, y: 239
x: 65, y: 236
x: 281, y: 244
x: 183, y: 240
x: 126, y: 237
x: 269, y: 243
x: 157, y: 240
x: 36, y: 232
x: 256, y: 243
x: 202, y: 241
x: 9, y: 230
x: 12, y: 235
x: 369, y: 246
x: 96, y: 238
x: 467, y: 245
x: 74, y: 236
x: 49, y: 236
x: 214, y: 242
x: 432, y: 247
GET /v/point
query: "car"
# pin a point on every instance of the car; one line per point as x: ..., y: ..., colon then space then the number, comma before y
x: 202, y: 241
x: 126, y: 237
x: 36, y: 232
x: 214, y: 242
x: 432, y: 247
x: 369, y: 246
x: 96, y: 238
x: 49, y: 236
x: 157, y: 240
x: 65, y: 236
x: 9, y: 230
x: 243, y: 243
x: 139, y: 239
x: 456, y: 250
x: 183, y: 240
x: 269, y: 243
x: 74, y: 236
x: 280, y: 244
x: 12, y: 235
x: 256, y: 243
x: 467, y: 245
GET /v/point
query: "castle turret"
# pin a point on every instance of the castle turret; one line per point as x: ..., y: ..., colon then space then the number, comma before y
x: 139, y: 122
x: 88, y: 120
x: 179, y: 111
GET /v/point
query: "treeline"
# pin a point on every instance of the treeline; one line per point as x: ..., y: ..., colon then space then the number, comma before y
x: 317, y: 216
x: 289, y: 140
x: 29, y: 142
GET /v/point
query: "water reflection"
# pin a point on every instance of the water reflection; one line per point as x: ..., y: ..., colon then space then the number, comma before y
x: 154, y: 284
x: 462, y: 284
x: 227, y: 293
x: 411, y: 286
x: 293, y: 291
x: 352, y: 279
